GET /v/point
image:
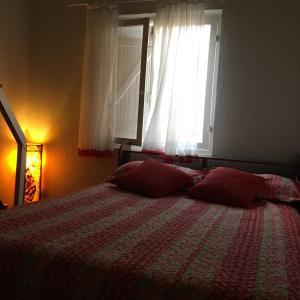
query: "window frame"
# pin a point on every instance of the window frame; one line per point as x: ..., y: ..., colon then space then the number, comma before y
x: 213, y: 18
x: 145, y: 22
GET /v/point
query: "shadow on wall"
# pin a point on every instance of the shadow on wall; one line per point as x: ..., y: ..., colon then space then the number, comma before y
x: 56, y: 66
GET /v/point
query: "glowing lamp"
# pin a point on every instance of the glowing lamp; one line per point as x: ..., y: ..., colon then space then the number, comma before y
x: 33, y: 176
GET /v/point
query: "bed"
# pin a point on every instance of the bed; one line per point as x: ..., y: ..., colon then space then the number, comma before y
x: 105, y: 243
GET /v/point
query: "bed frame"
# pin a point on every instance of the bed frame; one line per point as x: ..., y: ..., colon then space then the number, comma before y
x: 260, y: 167
x: 20, y: 139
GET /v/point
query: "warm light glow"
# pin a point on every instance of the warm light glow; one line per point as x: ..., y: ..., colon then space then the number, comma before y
x: 33, y: 172
x: 12, y: 159
x: 39, y: 135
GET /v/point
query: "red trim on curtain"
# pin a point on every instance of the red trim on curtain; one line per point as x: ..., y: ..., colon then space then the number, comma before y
x: 95, y: 153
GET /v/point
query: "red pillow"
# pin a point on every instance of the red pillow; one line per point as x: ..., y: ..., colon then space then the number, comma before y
x: 124, y: 169
x: 228, y: 186
x: 154, y: 179
x: 196, y: 174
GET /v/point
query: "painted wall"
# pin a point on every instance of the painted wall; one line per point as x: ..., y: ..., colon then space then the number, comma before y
x: 257, y: 114
x: 258, y: 98
x: 258, y: 101
x: 56, y: 64
x: 14, y: 75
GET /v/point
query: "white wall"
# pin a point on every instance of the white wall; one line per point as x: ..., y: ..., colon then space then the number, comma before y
x: 56, y: 66
x: 258, y: 101
x: 14, y: 75
x: 15, y: 53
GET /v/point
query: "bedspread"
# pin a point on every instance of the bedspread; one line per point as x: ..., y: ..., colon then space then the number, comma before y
x: 102, y: 243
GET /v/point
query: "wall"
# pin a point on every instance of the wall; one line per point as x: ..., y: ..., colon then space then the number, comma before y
x: 258, y: 98
x: 258, y: 101
x: 56, y: 64
x: 257, y: 113
x: 14, y: 75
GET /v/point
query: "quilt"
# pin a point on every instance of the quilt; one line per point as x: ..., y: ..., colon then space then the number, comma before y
x: 103, y: 243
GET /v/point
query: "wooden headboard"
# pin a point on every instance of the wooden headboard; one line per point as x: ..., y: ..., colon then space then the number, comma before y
x: 259, y: 167
x: 17, y: 132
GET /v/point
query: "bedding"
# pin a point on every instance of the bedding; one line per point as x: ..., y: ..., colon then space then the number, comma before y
x: 154, y: 179
x: 103, y: 243
x: 197, y: 175
x: 279, y: 188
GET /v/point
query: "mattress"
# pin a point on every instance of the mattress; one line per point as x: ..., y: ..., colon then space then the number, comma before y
x: 102, y: 243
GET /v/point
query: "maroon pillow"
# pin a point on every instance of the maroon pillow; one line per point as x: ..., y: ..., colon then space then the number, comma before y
x: 228, y: 186
x: 154, y: 179
x: 196, y: 174
x: 124, y: 169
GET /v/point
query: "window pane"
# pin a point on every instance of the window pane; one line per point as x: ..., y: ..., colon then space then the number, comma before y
x: 130, y: 40
x: 203, y: 64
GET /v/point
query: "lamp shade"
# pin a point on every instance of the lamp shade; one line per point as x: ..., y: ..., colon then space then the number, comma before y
x: 34, y: 153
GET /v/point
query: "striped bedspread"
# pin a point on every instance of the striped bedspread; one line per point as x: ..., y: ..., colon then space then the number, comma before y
x: 105, y: 244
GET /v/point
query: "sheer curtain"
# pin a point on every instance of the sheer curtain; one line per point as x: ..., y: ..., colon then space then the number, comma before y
x: 98, y: 96
x: 179, y: 80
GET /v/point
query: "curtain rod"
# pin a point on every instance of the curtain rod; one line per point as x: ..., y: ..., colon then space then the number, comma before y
x: 124, y: 2
x: 121, y: 2
x: 117, y: 2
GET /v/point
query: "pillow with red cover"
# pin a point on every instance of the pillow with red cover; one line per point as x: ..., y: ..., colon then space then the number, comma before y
x: 196, y: 174
x: 153, y: 179
x: 228, y: 186
x: 124, y: 169
x: 279, y: 188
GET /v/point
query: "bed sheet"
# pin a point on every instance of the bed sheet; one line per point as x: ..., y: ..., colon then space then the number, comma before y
x: 102, y: 243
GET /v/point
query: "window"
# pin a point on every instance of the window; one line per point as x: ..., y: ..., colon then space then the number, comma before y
x: 213, y: 30
x: 135, y: 75
x: 131, y: 73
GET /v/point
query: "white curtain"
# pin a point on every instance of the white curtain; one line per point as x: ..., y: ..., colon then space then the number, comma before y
x: 97, y: 112
x: 179, y: 80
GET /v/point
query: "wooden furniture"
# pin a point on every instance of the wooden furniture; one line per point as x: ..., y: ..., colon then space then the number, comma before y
x: 17, y: 132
